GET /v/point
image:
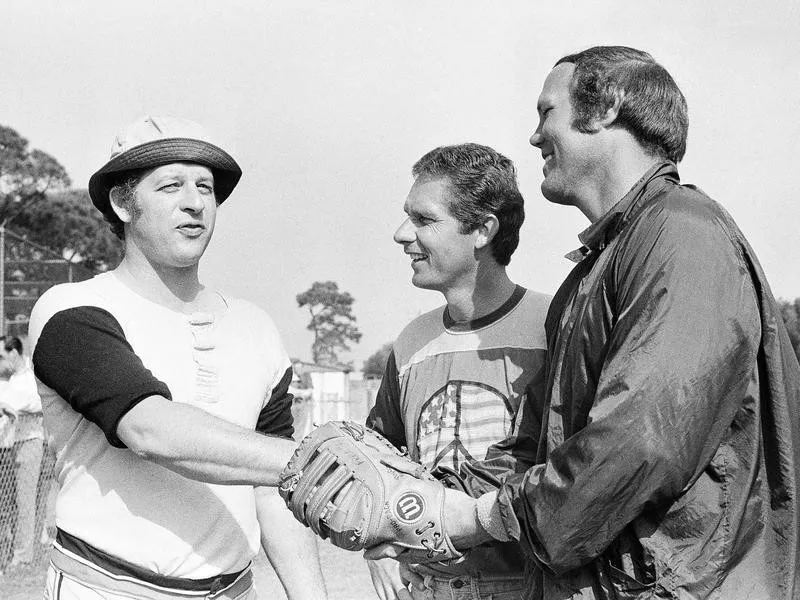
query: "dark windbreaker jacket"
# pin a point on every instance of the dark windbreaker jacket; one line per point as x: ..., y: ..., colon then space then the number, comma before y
x: 668, y: 436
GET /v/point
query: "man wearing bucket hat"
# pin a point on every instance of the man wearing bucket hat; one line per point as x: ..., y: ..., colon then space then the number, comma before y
x: 166, y: 401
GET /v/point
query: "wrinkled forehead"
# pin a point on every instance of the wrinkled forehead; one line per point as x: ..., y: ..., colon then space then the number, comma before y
x: 429, y: 188
x: 180, y: 169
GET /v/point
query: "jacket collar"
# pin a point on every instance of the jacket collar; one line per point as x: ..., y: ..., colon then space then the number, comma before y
x: 600, y: 233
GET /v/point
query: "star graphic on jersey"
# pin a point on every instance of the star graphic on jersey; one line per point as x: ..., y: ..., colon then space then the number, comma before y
x: 427, y: 421
x: 434, y: 416
x: 448, y: 420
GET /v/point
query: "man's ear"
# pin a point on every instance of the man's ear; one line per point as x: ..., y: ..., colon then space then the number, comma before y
x: 118, y: 204
x: 611, y: 114
x: 486, y: 231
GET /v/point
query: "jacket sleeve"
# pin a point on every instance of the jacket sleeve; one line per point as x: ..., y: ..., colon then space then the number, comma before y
x: 386, y: 417
x: 680, y: 364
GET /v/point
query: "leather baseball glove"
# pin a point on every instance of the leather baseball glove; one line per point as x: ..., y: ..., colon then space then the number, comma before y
x: 349, y: 484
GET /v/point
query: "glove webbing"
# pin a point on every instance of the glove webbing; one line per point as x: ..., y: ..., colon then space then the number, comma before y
x: 324, y: 494
x: 310, y: 478
x: 350, y: 539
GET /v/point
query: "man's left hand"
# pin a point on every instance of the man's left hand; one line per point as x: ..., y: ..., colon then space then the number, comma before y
x: 463, y: 527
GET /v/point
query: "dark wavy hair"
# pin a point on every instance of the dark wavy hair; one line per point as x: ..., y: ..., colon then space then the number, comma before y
x: 482, y: 182
x: 652, y: 108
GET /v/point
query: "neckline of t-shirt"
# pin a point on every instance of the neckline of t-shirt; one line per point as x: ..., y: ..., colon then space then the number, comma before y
x: 189, y: 316
x: 486, y: 320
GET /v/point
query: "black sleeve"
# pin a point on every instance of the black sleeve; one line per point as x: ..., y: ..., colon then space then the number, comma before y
x: 386, y: 417
x: 276, y: 416
x: 83, y: 355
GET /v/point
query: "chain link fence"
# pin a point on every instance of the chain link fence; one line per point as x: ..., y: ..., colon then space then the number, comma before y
x: 27, y: 499
x: 27, y: 485
x: 27, y: 271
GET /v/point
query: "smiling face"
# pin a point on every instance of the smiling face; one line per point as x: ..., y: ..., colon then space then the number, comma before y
x: 568, y: 154
x: 442, y: 257
x: 173, y: 217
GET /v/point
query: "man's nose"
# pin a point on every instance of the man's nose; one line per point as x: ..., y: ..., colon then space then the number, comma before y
x: 536, y: 138
x: 404, y: 233
x: 192, y: 199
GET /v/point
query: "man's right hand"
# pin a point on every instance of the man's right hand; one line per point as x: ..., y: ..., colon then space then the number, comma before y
x: 391, y: 580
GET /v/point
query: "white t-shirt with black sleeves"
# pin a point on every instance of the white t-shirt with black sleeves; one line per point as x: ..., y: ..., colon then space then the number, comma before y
x: 98, y: 349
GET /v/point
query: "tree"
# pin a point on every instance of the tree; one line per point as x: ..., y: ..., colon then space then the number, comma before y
x: 69, y: 223
x: 790, y: 311
x: 332, y: 321
x: 25, y: 175
x: 35, y: 200
x: 375, y: 365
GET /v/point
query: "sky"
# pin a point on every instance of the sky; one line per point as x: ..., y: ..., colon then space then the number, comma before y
x: 326, y: 106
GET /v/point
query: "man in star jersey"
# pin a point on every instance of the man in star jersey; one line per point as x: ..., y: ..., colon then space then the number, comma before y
x: 458, y: 376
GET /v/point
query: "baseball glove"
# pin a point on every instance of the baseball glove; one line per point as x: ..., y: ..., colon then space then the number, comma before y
x: 349, y: 484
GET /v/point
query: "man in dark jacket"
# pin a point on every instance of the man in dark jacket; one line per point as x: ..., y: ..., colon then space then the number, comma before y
x: 669, y: 444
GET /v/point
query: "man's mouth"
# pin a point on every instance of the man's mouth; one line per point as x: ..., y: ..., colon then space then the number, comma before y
x: 416, y: 257
x: 191, y: 229
x: 547, y: 159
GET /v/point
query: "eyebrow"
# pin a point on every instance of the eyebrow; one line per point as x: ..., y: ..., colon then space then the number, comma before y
x: 169, y: 174
x: 419, y: 214
x: 541, y: 103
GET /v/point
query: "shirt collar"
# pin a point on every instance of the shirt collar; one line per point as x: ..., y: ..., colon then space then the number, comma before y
x: 452, y: 325
x: 600, y: 233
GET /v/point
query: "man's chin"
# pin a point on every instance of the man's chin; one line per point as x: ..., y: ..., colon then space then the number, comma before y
x: 553, y: 194
x: 421, y: 283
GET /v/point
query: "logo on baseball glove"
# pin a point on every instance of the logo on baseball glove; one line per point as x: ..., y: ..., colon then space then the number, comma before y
x: 410, y: 506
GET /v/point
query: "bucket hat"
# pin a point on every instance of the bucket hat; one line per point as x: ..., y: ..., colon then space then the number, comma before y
x: 155, y: 141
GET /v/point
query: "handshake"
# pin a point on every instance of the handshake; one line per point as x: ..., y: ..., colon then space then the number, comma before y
x: 350, y: 485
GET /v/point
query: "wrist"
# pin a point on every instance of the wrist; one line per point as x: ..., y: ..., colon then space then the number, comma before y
x: 490, y: 518
x: 463, y: 525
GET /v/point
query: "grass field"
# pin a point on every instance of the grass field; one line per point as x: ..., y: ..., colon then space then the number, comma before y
x: 346, y: 577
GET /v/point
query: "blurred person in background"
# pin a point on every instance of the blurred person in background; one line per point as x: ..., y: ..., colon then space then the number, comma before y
x: 8, y: 420
x: 20, y: 393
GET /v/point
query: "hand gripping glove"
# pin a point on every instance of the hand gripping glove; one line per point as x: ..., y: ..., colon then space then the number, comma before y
x: 349, y: 484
